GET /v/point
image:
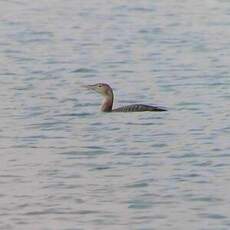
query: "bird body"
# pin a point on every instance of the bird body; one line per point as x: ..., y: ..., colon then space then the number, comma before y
x: 107, y: 104
x: 138, y: 108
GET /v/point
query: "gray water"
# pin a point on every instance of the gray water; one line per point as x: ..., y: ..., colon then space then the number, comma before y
x: 66, y: 165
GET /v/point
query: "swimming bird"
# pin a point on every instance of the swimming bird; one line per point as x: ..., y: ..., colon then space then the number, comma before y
x: 107, y: 104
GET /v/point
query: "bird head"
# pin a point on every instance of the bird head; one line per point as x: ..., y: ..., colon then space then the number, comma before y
x: 102, y: 88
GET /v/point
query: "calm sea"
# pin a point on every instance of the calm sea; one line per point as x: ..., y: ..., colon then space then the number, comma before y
x: 65, y: 165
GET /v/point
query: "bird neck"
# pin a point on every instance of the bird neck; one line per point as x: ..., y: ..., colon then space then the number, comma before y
x: 107, y: 103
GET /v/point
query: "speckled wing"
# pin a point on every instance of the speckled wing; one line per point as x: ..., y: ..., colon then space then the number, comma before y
x: 138, y: 108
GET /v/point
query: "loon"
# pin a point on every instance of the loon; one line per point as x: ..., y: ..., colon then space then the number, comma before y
x: 107, y: 104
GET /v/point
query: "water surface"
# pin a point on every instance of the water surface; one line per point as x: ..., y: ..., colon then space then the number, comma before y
x: 65, y: 165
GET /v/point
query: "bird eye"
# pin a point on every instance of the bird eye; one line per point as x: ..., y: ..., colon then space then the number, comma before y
x: 99, y: 85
